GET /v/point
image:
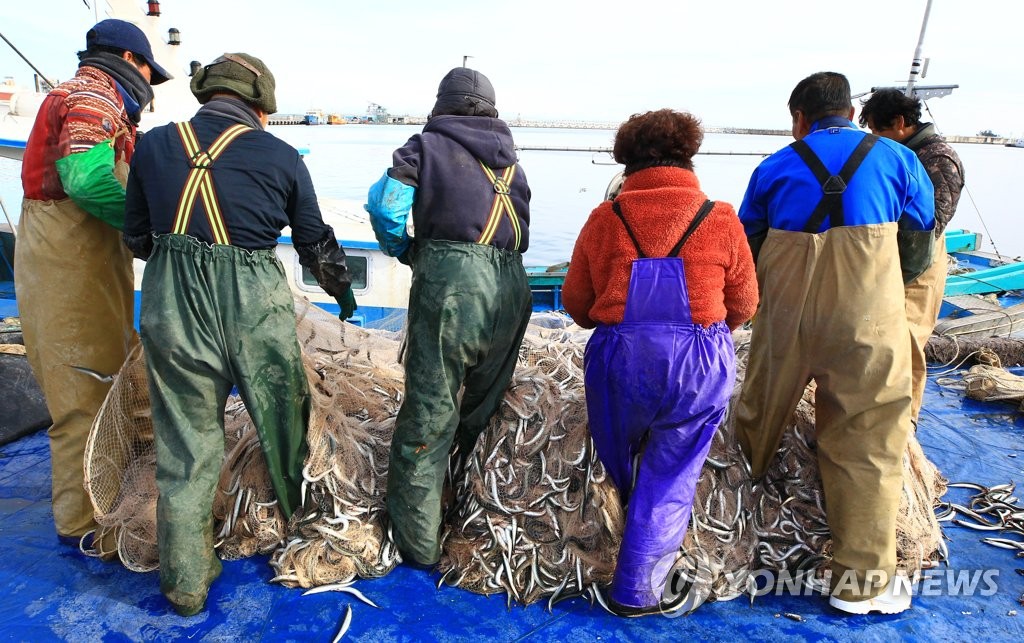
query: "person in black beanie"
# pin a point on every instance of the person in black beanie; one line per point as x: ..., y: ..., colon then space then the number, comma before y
x: 470, y: 300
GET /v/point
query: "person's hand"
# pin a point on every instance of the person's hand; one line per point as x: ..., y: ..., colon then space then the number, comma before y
x: 348, y: 305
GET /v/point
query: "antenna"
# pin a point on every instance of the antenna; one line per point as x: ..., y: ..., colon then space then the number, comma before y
x: 916, y: 67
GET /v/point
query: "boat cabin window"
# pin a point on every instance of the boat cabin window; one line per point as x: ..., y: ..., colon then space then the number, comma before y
x: 356, y: 266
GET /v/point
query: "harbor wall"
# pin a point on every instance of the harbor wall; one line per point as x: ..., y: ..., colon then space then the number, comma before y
x: 300, y: 119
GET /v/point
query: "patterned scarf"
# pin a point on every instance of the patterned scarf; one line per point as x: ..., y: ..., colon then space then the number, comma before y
x: 136, y: 92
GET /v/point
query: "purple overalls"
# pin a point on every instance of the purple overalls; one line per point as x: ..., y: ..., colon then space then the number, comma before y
x: 657, y: 386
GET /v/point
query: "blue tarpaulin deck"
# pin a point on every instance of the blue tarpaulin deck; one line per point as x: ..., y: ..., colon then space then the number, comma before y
x: 52, y: 592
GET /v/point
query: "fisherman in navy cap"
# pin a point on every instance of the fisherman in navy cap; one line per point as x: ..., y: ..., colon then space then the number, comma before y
x: 74, y: 279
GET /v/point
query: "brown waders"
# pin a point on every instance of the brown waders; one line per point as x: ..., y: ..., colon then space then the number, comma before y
x: 213, y: 316
x: 924, y: 299
x: 76, y: 299
x: 832, y: 309
x: 468, y: 310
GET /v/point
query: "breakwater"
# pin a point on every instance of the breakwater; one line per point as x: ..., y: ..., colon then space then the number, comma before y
x: 300, y: 119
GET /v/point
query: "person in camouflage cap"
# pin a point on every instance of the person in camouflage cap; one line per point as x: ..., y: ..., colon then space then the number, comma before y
x: 892, y: 114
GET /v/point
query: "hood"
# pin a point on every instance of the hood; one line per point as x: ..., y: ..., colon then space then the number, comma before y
x: 487, y: 139
x: 917, y: 139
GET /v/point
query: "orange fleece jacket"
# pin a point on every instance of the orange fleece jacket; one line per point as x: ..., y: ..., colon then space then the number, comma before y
x: 659, y: 203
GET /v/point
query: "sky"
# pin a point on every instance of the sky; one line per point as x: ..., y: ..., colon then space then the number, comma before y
x: 732, y: 63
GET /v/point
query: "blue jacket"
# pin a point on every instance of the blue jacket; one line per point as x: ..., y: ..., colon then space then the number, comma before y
x: 438, y: 175
x: 262, y: 186
x: 890, y: 185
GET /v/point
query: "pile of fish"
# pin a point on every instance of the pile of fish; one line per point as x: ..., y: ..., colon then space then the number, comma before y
x: 120, y: 476
x: 992, y: 509
x: 531, y: 512
x: 341, y: 531
x: 535, y: 514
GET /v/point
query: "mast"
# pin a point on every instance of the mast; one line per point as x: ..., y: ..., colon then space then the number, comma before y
x: 916, y: 65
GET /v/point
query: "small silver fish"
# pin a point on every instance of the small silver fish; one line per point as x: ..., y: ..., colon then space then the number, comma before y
x: 106, y: 379
x: 345, y: 623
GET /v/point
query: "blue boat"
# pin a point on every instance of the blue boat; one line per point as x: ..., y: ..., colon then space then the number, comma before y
x: 984, y: 294
x: 983, y: 272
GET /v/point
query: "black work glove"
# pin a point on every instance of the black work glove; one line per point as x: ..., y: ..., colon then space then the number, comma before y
x: 348, y: 305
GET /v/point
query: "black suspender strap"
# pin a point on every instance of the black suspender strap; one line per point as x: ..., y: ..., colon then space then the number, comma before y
x: 702, y: 214
x: 704, y: 211
x: 833, y: 185
x: 629, y: 231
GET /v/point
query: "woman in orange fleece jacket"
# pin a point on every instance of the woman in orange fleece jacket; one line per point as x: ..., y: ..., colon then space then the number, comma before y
x: 663, y: 275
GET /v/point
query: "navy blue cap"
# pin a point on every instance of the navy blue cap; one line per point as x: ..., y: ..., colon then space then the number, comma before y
x: 125, y: 35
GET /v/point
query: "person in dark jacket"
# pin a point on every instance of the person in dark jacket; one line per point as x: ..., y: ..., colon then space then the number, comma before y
x: 470, y: 300
x: 206, y: 202
x: 894, y: 115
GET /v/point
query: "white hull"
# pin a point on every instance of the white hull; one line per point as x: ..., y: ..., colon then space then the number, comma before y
x: 381, y: 284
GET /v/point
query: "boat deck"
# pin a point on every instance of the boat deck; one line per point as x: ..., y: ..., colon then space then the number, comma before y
x: 55, y: 593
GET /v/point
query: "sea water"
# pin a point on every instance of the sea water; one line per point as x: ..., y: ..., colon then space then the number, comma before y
x: 344, y: 160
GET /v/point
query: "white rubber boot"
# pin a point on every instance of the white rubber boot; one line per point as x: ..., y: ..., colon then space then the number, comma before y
x: 895, y: 599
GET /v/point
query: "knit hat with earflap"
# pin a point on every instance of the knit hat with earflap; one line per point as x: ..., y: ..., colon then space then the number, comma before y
x: 240, y: 74
x: 465, y: 92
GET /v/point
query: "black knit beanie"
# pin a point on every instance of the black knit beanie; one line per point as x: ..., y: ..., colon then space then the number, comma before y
x: 465, y: 92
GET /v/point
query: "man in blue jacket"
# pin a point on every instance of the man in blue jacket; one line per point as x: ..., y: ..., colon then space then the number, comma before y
x: 837, y: 221
x: 470, y: 300
x: 206, y: 202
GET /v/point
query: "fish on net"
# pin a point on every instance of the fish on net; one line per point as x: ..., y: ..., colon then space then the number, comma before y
x: 530, y: 511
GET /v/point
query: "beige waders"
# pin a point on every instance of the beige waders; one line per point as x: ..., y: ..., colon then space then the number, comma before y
x: 75, y: 296
x: 832, y: 309
x: 924, y: 299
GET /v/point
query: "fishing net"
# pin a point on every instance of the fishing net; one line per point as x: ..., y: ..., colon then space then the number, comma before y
x: 120, y: 476
x: 958, y: 351
x: 530, y: 512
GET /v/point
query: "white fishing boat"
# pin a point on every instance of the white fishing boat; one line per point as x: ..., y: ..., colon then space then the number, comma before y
x: 381, y: 283
x: 172, y: 100
x: 18, y: 107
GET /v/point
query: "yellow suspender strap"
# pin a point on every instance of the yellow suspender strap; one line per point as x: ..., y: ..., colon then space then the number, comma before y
x: 200, y: 183
x: 502, y: 205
